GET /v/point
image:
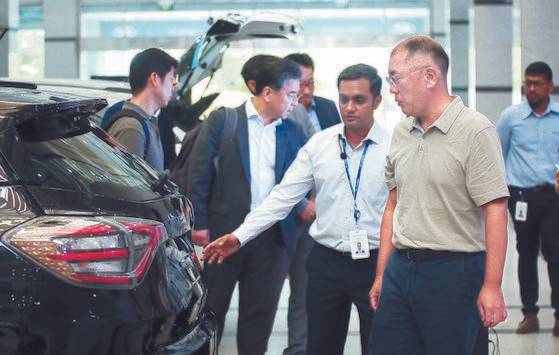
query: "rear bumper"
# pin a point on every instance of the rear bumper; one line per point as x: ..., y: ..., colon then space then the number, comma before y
x: 42, y: 315
x: 201, y: 340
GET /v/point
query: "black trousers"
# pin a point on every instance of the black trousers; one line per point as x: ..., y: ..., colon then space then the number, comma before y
x: 539, y: 231
x: 336, y: 281
x: 260, y: 267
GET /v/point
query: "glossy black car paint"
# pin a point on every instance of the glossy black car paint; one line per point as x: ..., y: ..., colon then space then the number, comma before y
x: 40, y: 313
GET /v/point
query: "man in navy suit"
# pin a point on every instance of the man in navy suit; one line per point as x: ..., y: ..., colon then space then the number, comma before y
x: 314, y: 114
x: 250, y: 165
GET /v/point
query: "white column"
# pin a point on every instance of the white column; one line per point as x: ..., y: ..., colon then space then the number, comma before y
x: 539, y: 33
x: 9, y: 19
x: 493, y: 48
x: 62, y: 34
x: 460, y: 48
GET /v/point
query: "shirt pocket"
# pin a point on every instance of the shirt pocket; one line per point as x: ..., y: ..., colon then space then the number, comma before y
x: 551, y: 141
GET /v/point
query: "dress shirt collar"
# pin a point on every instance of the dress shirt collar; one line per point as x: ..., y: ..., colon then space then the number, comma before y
x: 526, y: 110
x: 375, y: 133
x: 446, y: 119
x: 313, y: 106
x: 252, y: 113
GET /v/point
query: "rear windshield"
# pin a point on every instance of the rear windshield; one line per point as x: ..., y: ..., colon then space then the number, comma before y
x: 82, y: 163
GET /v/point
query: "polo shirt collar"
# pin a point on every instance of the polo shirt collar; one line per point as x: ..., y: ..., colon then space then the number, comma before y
x: 526, y: 110
x: 446, y: 119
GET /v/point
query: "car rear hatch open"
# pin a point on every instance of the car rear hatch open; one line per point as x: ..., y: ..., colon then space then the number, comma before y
x: 205, y: 55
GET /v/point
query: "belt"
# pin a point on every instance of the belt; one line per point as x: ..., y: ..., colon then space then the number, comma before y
x: 428, y: 254
x: 539, y: 188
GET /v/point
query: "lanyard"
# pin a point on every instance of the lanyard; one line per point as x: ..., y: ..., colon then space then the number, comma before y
x: 356, y: 212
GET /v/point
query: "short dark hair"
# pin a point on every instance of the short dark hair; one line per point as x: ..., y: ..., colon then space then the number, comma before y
x: 151, y: 60
x: 425, y: 45
x: 277, y: 74
x: 255, y: 64
x: 302, y: 59
x: 539, y: 68
x: 362, y: 71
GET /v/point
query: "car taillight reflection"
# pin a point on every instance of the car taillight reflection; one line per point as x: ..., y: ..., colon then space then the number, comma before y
x: 112, y: 251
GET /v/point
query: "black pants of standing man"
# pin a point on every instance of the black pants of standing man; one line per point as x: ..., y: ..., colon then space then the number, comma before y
x: 336, y: 281
x: 260, y: 268
x: 541, y: 228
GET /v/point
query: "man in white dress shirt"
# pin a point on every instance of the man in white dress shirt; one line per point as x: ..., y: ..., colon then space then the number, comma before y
x: 345, y: 165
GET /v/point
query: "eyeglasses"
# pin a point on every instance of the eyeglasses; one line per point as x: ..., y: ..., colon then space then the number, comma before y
x: 293, y: 96
x: 307, y: 83
x: 536, y: 84
x: 395, y: 79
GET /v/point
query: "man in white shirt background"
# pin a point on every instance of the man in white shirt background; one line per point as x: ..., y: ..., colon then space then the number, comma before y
x: 344, y: 163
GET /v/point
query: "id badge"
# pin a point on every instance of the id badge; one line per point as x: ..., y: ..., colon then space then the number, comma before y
x: 359, y: 244
x: 521, y: 211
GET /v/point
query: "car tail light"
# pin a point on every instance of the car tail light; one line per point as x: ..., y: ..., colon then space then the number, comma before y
x: 112, y: 251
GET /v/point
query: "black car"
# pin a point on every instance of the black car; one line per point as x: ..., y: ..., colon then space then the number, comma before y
x: 95, y: 256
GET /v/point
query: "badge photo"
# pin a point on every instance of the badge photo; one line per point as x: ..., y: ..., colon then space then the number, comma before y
x: 359, y: 244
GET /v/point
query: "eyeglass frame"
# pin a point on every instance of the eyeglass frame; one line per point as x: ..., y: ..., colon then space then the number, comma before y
x: 292, y: 96
x: 308, y: 83
x: 535, y: 84
x: 392, y: 80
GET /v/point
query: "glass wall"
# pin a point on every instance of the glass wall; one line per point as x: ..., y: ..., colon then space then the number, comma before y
x: 27, y: 58
x: 335, y: 38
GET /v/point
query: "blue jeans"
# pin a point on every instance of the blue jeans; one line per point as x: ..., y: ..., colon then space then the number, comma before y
x: 428, y: 307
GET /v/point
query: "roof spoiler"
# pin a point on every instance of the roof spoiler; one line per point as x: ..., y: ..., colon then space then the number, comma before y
x: 29, y: 112
x: 17, y: 84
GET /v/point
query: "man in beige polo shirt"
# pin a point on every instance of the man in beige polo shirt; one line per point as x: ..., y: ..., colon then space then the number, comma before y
x: 444, y: 228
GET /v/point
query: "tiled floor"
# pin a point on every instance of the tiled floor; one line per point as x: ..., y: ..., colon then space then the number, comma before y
x: 509, y: 343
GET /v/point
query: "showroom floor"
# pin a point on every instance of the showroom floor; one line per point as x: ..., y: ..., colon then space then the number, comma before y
x: 510, y: 343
